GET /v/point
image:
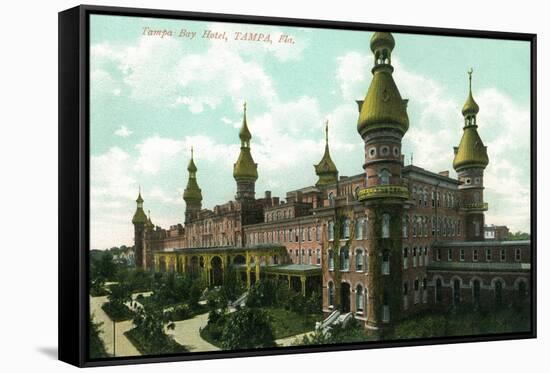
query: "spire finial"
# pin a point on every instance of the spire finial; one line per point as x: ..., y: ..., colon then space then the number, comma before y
x: 191, y: 151
x: 326, y: 131
x: 149, y: 213
x: 470, y: 72
x: 244, y: 107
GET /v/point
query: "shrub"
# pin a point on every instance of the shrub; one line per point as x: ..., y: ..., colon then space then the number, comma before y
x: 247, y: 328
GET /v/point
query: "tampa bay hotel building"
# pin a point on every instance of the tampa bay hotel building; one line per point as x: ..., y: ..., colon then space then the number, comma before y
x: 382, y: 245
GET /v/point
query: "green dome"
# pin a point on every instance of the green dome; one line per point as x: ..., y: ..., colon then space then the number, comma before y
x: 383, y: 106
x: 245, y: 166
x: 470, y: 106
x: 244, y: 133
x: 381, y: 40
x: 139, y: 217
x: 192, y: 192
x: 471, y: 152
x: 326, y: 169
x: 191, y: 167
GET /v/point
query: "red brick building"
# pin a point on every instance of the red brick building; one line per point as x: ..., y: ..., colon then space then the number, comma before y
x: 382, y: 244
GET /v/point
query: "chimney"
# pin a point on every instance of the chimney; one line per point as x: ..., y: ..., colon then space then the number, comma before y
x: 359, y: 105
x: 267, y: 194
x: 299, y: 196
x: 275, y: 201
x: 444, y: 173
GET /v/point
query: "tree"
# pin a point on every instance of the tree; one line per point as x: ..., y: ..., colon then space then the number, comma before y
x: 149, y: 321
x: 247, y: 328
x: 106, y: 267
x: 97, y: 347
x: 519, y: 236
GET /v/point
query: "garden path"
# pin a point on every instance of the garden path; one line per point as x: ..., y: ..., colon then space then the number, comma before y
x: 123, y: 346
x: 187, y: 333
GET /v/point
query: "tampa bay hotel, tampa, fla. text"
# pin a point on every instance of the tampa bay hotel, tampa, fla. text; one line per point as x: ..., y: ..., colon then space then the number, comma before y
x: 381, y: 245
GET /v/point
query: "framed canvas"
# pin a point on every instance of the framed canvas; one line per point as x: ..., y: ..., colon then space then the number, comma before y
x: 235, y: 186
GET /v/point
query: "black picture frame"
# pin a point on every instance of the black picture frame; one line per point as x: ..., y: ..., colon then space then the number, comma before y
x: 74, y: 194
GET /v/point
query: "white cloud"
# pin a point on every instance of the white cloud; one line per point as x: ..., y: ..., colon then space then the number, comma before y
x: 123, y: 131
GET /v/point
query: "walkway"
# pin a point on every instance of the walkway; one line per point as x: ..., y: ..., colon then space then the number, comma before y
x: 123, y: 346
x: 289, y: 341
x: 187, y: 333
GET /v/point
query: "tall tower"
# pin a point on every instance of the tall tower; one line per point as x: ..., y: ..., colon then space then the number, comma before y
x: 245, y: 171
x: 470, y: 162
x: 326, y: 169
x: 192, y: 194
x: 383, y: 121
x: 140, y: 221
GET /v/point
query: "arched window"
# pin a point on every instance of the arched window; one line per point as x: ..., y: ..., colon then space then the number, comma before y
x: 386, y: 262
x: 318, y: 256
x: 331, y: 199
x: 344, y: 259
x: 405, y: 226
x: 476, y: 291
x: 438, y: 294
x: 331, y: 230
x: 346, y: 228
x: 405, y: 258
x: 384, y: 177
x: 331, y: 294
x: 415, y: 259
x: 330, y: 260
x: 366, y: 258
x: 359, y: 298
x: 522, y: 290
x: 385, y: 225
x: 385, y: 307
x: 356, y: 192
x: 498, y: 292
x: 359, y: 260
x: 359, y: 229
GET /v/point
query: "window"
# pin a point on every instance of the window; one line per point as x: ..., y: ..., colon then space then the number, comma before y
x: 346, y: 228
x: 416, y: 287
x: 405, y: 258
x: 359, y: 229
x: 420, y: 256
x: 385, y: 307
x: 405, y: 226
x: 385, y: 225
x: 359, y: 298
x: 290, y: 235
x: 488, y: 255
x: 414, y: 257
x: 433, y: 226
x: 331, y: 294
x: 366, y: 258
x: 502, y: 255
x: 386, y: 262
x: 359, y: 260
x: 456, y: 292
x: 518, y: 255
x: 318, y: 256
x: 438, y: 294
x: 476, y: 291
x: 330, y: 260
x: 476, y: 228
x: 426, y: 256
x: 372, y: 152
x: 475, y: 255
x: 309, y: 233
x: 318, y: 233
x: 331, y: 230
x: 309, y: 256
x: 384, y: 177
x: 425, y: 290
x: 344, y: 259
x: 438, y: 254
x: 433, y: 199
x: 462, y: 255
x: 331, y: 199
x: 384, y: 150
x: 450, y: 254
x: 366, y: 228
x: 396, y: 151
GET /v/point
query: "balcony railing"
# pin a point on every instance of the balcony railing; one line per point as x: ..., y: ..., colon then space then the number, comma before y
x: 481, y: 206
x: 383, y: 191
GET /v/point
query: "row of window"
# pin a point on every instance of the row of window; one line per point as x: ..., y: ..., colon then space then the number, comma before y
x: 361, y: 261
x: 309, y: 256
x: 420, y: 195
x: 418, y: 292
x: 280, y: 214
x: 417, y: 226
x: 497, y: 285
x: 476, y: 254
x: 419, y: 257
x: 360, y: 299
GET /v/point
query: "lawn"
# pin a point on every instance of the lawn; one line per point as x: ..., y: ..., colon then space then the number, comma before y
x: 287, y: 323
x: 145, y: 347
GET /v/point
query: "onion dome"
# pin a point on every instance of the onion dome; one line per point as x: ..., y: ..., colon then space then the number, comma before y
x: 382, y: 40
x: 470, y: 106
x: 245, y: 168
x: 470, y: 152
x: 139, y: 215
x: 326, y: 169
x: 383, y: 107
x: 192, y: 192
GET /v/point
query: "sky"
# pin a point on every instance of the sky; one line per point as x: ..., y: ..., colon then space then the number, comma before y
x: 153, y: 96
